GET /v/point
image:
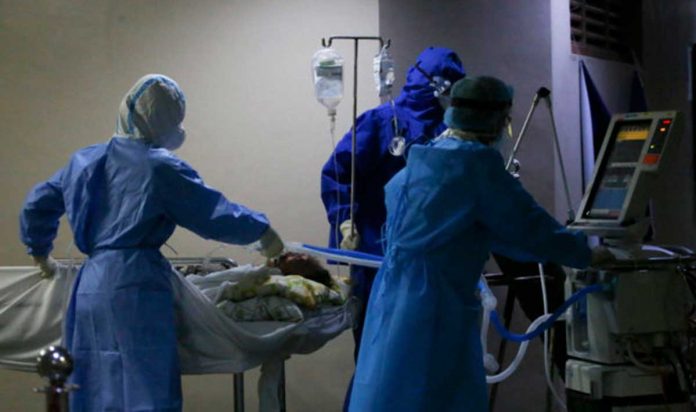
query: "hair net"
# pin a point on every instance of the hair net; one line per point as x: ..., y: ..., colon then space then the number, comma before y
x: 479, y: 104
x: 153, y: 110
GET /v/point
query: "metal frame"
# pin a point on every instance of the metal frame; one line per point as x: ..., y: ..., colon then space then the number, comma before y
x: 239, y: 391
x: 173, y: 261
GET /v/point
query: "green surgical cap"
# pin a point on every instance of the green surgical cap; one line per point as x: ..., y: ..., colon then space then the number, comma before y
x: 479, y: 104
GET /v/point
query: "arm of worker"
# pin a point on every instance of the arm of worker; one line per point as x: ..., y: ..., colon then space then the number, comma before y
x: 522, y: 229
x: 190, y: 203
x: 336, y: 173
x: 40, y: 216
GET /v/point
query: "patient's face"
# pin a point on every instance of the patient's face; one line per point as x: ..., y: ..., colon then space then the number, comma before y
x: 291, y: 263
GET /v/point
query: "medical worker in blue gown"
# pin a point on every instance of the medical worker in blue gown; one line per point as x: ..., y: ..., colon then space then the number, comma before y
x: 418, y: 118
x: 447, y: 210
x: 418, y: 114
x: 123, y: 200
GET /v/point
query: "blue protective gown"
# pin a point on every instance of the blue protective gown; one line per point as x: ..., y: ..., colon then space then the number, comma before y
x: 419, y: 117
x: 123, y: 200
x: 447, y: 210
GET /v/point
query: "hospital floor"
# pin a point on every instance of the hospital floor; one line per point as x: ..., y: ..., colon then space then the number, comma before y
x: 314, y: 383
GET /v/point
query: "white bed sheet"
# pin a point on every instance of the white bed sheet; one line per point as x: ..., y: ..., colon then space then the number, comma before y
x: 32, y: 309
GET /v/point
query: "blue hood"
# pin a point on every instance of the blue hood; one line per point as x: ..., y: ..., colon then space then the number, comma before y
x: 417, y: 95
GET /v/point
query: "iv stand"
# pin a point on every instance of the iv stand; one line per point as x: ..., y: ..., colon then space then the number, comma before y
x: 356, y: 40
x: 544, y: 93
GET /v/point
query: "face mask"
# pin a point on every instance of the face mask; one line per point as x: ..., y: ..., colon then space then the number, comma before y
x: 172, y: 140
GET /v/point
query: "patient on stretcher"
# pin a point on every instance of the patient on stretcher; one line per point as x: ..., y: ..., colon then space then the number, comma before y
x: 287, y: 289
x: 302, y: 264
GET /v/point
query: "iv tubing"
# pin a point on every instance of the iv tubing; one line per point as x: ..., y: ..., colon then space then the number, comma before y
x: 353, y: 138
x: 332, y: 133
x: 547, y: 369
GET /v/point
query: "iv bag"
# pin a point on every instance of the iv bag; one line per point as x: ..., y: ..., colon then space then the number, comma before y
x: 327, y: 70
x: 383, y: 70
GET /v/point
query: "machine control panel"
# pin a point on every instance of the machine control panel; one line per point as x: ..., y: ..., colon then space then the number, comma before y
x: 633, y: 149
x: 657, y: 143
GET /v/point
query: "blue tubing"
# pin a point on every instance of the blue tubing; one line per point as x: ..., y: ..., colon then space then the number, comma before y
x: 343, y: 252
x: 495, y: 320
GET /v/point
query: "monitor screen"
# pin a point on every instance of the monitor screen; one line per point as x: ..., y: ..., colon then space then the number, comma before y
x: 618, y: 168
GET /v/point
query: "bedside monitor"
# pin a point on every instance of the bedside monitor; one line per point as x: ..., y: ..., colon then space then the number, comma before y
x: 632, y: 151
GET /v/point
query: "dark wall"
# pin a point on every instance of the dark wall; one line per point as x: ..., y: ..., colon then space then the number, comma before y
x: 669, y: 33
x: 492, y: 37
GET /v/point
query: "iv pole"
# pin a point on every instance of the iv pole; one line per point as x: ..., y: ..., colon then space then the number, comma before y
x: 544, y: 93
x: 356, y: 40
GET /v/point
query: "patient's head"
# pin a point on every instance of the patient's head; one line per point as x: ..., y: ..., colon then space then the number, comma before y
x: 291, y: 263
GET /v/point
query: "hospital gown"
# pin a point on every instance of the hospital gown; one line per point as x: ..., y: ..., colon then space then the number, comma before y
x: 452, y: 204
x: 419, y: 118
x: 123, y: 200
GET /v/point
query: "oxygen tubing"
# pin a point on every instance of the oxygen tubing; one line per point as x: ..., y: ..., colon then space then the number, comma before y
x: 536, y: 328
x: 338, y: 255
x: 499, y: 377
x: 375, y: 261
x: 495, y: 320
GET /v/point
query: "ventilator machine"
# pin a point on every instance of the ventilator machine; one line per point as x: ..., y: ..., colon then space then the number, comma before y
x: 630, y: 343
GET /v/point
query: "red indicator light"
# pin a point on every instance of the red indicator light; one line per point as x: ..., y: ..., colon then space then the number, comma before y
x: 666, y: 121
x: 651, y: 159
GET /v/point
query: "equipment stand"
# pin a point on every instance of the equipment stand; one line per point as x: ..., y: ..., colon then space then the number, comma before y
x: 544, y: 93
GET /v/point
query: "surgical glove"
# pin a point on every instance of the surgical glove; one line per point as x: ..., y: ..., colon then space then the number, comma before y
x: 351, y: 238
x: 47, y: 264
x: 601, y: 256
x: 271, y: 244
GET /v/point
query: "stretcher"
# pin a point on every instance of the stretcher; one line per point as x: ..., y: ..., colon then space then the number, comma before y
x: 32, y: 309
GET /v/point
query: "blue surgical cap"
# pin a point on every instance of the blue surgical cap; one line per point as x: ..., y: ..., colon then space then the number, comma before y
x: 153, y: 109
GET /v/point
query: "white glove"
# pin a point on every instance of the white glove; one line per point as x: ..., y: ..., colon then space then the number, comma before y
x: 271, y: 244
x: 351, y: 237
x: 47, y: 264
x: 601, y: 256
